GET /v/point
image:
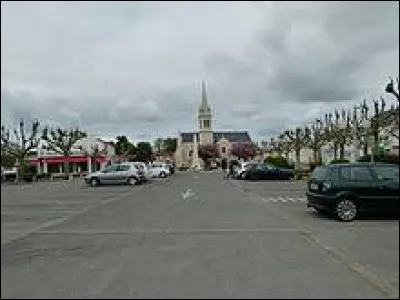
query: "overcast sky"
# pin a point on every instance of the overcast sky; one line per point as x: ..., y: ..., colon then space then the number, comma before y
x: 135, y: 68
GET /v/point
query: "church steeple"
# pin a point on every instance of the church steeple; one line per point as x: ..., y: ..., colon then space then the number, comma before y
x: 205, y: 118
x: 203, y: 95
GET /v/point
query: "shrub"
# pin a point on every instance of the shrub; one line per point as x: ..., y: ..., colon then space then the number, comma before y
x: 277, y: 161
x: 339, y: 161
x: 385, y: 158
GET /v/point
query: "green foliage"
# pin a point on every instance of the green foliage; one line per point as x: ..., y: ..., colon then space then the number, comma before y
x: 170, y: 145
x: 144, y: 151
x: 8, y: 160
x: 277, y: 161
x: 385, y: 158
x: 124, y: 147
x: 27, y: 172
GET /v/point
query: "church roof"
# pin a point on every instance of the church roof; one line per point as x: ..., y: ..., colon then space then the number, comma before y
x: 231, y: 136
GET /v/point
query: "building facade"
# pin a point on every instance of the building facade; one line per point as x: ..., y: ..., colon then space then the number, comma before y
x: 87, y: 155
x: 187, y: 156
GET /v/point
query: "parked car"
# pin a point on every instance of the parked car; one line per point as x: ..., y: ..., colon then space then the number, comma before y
x: 159, y: 170
x: 261, y: 171
x: 171, y: 168
x: 141, y: 166
x: 123, y: 173
x: 347, y: 189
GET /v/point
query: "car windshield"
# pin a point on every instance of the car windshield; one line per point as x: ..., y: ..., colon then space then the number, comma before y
x: 319, y: 172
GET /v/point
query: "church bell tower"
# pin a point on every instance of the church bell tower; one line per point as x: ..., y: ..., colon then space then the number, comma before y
x: 205, y: 118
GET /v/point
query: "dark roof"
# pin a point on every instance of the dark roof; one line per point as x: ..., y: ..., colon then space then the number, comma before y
x: 188, y: 136
x: 231, y: 136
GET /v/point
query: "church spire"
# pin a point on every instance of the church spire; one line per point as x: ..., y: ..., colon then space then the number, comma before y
x: 203, y: 94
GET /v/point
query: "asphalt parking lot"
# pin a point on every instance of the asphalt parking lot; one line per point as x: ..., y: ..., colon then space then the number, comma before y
x: 193, y: 235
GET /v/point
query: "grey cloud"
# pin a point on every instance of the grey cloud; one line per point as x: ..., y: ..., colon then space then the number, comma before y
x: 135, y: 67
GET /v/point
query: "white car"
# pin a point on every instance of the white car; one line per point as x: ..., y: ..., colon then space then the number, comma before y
x: 144, y: 168
x: 159, y: 170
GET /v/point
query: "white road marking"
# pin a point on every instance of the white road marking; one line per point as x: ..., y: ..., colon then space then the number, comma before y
x: 282, y: 199
x: 187, y: 194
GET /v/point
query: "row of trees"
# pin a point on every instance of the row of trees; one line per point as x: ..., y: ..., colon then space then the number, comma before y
x: 340, y: 129
x: 18, y: 144
x: 143, y: 151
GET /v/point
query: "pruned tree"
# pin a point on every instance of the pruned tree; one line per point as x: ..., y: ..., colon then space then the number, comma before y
x: 61, y: 141
x: 208, y: 152
x: 298, y: 139
x: 19, y: 146
x: 394, y: 122
x: 243, y: 150
x: 341, y: 132
x: 315, y: 139
x: 378, y: 121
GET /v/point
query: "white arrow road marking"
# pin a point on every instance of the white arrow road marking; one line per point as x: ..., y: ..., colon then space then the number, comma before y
x: 187, y: 194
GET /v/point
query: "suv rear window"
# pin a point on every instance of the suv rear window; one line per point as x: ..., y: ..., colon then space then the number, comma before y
x: 320, y: 173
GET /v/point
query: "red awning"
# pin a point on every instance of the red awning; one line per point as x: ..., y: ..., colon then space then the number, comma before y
x: 51, y: 160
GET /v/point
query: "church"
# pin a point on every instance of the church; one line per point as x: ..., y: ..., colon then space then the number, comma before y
x: 186, y: 155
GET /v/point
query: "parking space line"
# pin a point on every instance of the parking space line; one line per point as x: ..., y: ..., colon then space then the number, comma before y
x: 60, y: 220
x: 281, y: 199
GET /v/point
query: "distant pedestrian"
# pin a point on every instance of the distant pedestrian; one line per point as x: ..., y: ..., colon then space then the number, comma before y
x: 224, y: 167
x: 231, y: 169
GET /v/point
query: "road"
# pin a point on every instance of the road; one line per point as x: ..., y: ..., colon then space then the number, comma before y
x: 193, y: 235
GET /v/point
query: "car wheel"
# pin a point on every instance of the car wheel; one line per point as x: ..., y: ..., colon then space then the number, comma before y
x: 132, y: 181
x: 163, y: 174
x: 94, y: 182
x: 346, y: 210
x: 242, y: 175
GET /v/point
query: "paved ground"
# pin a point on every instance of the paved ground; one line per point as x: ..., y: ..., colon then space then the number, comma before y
x: 190, y: 236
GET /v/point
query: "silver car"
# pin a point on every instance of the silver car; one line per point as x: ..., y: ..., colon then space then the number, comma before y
x: 123, y: 173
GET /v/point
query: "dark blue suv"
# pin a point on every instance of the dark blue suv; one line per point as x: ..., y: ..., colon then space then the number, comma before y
x: 347, y: 189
